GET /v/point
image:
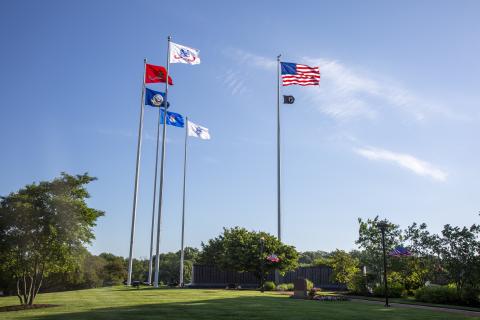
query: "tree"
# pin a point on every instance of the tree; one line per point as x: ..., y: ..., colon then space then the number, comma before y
x: 238, y: 249
x: 370, y: 239
x: 170, y: 265
x: 43, y: 228
x: 344, y: 266
x: 309, y: 258
x: 460, y: 249
x: 88, y: 273
x: 425, y: 263
x: 114, y: 270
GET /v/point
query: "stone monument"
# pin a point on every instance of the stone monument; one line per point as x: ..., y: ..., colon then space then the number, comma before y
x: 300, y: 288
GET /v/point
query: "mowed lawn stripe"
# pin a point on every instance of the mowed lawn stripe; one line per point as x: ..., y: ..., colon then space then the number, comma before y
x: 147, y: 303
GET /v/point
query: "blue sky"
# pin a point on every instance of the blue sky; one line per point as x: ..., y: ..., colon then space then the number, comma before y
x: 392, y: 130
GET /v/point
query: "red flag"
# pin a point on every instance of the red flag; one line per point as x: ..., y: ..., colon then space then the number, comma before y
x: 154, y: 74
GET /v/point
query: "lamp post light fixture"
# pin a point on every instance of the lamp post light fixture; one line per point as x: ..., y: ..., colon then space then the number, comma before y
x: 262, y: 264
x: 383, y: 225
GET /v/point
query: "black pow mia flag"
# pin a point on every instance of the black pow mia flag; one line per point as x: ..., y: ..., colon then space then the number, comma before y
x: 288, y: 99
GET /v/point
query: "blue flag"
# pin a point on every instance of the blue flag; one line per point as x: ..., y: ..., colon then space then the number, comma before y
x: 154, y: 98
x: 173, y: 119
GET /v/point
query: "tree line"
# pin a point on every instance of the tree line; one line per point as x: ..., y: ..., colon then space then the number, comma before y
x: 45, y: 228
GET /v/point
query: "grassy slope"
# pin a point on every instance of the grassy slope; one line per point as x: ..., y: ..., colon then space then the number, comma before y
x: 121, y: 303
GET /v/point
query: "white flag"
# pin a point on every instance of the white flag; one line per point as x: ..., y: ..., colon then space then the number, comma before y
x: 194, y: 130
x: 183, y: 54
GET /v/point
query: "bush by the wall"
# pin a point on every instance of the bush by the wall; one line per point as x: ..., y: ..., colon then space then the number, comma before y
x: 290, y: 287
x: 448, y: 295
x: 269, y: 286
x: 309, y: 285
x: 358, y: 285
x: 395, y: 290
x: 470, y: 296
x: 437, y: 294
x: 282, y: 287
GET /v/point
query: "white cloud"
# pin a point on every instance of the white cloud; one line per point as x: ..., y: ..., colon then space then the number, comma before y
x: 417, y: 166
x: 251, y: 59
x: 345, y: 93
x: 234, y: 82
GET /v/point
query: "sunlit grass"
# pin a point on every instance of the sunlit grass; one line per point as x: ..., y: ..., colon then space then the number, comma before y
x: 172, y: 304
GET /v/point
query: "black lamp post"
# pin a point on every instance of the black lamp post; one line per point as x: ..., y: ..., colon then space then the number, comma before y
x: 383, y: 225
x: 262, y: 264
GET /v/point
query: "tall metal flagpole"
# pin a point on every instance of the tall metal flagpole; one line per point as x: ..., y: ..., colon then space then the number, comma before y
x: 182, y: 255
x: 279, y: 206
x: 150, y: 265
x: 160, y: 196
x: 137, y: 173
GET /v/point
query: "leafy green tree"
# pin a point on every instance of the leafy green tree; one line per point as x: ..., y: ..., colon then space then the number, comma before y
x: 88, y: 273
x: 238, y: 249
x: 43, y: 229
x: 459, y: 250
x: 170, y: 265
x: 139, y: 269
x: 370, y: 239
x: 344, y: 266
x: 425, y: 263
x: 309, y: 258
x: 92, y: 272
x: 114, y: 270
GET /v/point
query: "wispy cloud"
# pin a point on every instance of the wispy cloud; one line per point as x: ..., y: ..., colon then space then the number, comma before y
x: 417, y: 166
x: 248, y: 58
x: 346, y: 93
x: 234, y: 82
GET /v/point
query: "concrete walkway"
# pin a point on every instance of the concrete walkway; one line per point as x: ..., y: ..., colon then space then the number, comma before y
x: 416, y: 306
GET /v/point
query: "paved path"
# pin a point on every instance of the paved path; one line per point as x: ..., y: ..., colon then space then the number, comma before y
x: 416, y: 306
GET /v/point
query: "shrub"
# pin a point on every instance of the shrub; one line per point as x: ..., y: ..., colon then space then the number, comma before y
x: 358, y: 285
x: 470, y: 296
x: 282, y: 287
x: 437, y: 294
x: 395, y: 290
x: 290, y: 287
x: 309, y: 285
x: 269, y: 286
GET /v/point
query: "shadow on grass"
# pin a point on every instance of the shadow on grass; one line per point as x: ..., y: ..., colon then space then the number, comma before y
x: 258, y: 307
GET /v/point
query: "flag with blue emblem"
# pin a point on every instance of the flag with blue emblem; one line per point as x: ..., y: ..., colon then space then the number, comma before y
x: 183, y: 54
x: 173, y: 119
x: 194, y: 130
x: 154, y: 98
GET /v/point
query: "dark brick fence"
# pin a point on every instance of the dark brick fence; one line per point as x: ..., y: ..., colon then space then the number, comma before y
x: 205, y: 276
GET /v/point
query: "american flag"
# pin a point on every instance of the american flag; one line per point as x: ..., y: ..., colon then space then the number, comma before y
x: 273, y: 258
x: 400, y: 251
x: 300, y: 74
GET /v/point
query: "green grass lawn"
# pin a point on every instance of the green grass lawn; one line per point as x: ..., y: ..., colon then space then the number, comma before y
x: 171, y: 304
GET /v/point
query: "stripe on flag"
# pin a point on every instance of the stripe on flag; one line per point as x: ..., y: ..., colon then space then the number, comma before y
x: 300, y: 74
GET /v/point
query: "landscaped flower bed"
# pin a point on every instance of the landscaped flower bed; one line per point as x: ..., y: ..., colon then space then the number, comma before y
x: 330, y: 298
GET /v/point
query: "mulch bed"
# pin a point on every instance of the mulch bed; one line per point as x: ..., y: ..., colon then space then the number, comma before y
x: 331, y: 298
x: 20, y: 307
